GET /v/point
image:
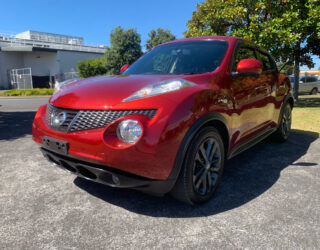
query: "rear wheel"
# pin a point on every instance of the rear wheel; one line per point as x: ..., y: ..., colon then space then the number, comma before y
x: 284, y: 128
x: 202, y: 168
x: 314, y: 91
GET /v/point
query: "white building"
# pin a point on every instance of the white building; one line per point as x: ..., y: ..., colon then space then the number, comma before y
x: 45, y: 57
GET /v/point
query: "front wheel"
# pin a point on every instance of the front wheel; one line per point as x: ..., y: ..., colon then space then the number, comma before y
x: 202, y: 168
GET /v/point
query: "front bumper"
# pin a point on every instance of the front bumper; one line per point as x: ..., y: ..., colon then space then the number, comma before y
x: 153, y: 156
x: 106, y: 175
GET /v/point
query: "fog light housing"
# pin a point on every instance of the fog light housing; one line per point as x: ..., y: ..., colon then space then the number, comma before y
x: 129, y: 131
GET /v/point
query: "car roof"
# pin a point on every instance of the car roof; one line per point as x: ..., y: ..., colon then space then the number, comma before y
x: 200, y: 38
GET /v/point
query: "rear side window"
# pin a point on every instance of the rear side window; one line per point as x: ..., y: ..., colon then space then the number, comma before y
x: 243, y: 53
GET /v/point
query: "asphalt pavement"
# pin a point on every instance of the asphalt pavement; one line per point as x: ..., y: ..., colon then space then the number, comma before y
x: 268, y: 198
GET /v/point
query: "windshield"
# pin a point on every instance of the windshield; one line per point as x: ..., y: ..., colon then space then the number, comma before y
x: 182, y: 58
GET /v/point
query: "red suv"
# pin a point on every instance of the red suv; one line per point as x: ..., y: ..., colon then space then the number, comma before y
x: 170, y: 120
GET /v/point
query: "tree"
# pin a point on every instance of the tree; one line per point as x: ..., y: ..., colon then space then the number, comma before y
x: 287, y: 69
x: 125, y: 49
x: 289, y: 29
x: 91, y: 67
x: 159, y: 36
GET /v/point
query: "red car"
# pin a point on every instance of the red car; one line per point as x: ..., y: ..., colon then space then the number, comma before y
x: 170, y: 120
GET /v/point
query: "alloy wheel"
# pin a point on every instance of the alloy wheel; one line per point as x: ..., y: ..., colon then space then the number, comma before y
x: 207, y: 165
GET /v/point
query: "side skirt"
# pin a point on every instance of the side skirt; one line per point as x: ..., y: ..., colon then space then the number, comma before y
x: 251, y: 142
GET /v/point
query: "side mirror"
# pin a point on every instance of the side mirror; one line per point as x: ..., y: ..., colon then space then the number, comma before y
x: 249, y: 67
x: 124, y: 67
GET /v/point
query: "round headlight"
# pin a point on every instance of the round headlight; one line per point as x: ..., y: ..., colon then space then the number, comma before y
x: 129, y: 131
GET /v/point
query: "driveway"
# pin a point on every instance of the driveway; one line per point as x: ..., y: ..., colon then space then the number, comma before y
x: 268, y: 198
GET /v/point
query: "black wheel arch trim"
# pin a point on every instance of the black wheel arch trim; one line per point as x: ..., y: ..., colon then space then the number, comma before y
x: 192, y: 131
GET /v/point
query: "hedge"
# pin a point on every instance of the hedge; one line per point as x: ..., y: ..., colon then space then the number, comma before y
x: 26, y: 92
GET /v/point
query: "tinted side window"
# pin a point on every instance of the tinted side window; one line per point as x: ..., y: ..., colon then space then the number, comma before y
x: 311, y: 79
x: 265, y: 60
x: 243, y: 53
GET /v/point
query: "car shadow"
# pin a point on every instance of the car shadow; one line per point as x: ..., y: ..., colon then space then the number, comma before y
x: 14, y: 125
x: 245, y: 177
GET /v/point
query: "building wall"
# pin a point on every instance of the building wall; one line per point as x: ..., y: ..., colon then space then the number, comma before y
x: 41, y: 63
x: 8, y: 61
x: 68, y: 59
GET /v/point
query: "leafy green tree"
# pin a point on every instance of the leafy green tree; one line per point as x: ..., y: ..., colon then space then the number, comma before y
x: 125, y: 49
x: 159, y: 36
x: 91, y: 67
x: 287, y: 69
x: 289, y: 29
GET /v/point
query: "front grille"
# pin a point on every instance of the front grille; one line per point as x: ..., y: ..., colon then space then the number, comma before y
x: 76, y: 120
x: 53, y: 111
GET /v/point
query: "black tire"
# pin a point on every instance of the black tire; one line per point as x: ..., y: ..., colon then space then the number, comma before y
x: 200, y: 174
x: 284, y: 127
x: 314, y: 91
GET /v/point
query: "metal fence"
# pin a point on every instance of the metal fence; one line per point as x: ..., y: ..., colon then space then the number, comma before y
x: 21, y: 78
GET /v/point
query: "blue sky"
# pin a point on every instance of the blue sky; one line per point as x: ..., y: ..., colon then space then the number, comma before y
x: 93, y: 20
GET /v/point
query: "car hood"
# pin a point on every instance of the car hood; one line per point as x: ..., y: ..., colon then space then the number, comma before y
x: 102, y: 92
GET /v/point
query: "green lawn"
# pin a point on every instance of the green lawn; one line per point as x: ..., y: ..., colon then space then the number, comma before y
x: 306, y: 115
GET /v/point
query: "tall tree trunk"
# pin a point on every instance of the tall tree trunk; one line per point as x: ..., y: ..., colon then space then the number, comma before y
x: 296, y: 71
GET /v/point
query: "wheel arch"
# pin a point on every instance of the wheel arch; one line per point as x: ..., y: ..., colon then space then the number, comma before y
x: 211, y: 119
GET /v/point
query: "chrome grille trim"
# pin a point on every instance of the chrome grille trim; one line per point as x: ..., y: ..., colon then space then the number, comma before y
x: 78, y: 120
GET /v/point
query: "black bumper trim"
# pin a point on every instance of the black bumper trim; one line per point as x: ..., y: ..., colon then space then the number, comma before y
x: 106, y: 175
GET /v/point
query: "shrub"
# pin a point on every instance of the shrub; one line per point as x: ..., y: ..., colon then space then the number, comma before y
x: 91, y: 67
x: 27, y: 92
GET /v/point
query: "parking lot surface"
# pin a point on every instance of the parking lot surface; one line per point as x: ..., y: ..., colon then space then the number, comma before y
x: 268, y: 198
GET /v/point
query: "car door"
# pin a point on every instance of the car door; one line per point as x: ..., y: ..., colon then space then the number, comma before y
x: 267, y: 87
x: 248, y: 98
